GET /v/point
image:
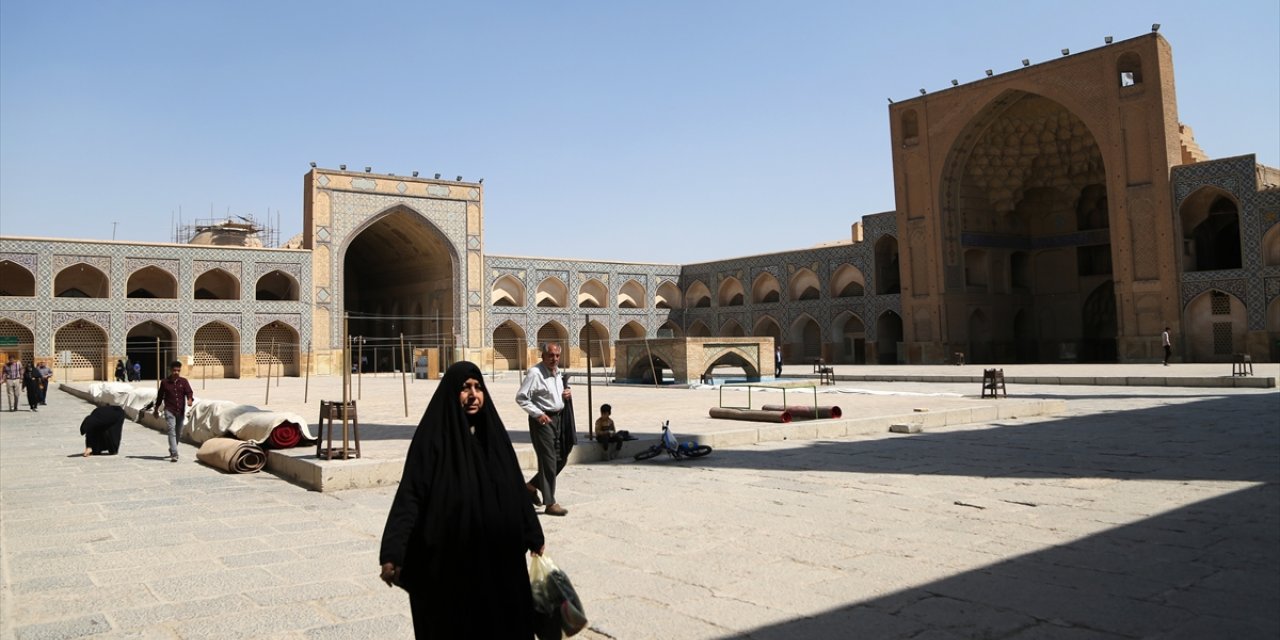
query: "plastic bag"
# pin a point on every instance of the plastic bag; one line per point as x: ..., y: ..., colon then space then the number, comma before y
x: 557, y: 609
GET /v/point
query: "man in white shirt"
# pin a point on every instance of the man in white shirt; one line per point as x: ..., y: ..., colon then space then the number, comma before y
x: 542, y: 395
x: 1168, y: 346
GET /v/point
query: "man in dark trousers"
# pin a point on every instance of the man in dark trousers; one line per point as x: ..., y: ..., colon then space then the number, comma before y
x: 173, y: 390
x: 542, y: 395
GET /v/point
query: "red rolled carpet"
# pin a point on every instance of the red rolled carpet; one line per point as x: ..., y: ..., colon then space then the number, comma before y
x: 286, y: 435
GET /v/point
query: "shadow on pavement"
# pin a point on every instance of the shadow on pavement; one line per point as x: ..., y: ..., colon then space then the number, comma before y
x: 1207, y: 570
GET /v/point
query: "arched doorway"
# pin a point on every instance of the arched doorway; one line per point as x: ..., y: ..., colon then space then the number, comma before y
x: 81, y: 281
x: 1098, y: 325
x: 552, y: 333
x: 151, y: 345
x: 849, y: 339
x: 16, y: 280
x: 399, y: 260
x: 888, y: 335
x: 216, y: 284
x: 276, y: 285
x: 508, y: 347
x: 1024, y: 187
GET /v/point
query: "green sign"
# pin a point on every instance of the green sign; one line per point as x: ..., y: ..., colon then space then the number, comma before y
x: 8, y: 341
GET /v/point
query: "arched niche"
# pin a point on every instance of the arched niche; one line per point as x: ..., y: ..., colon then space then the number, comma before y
x: 1215, y: 325
x: 731, y: 293
x: 668, y: 296
x: 217, y: 351
x: 698, y: 295
x: 216, y: 284
x: 631, y: 295
x: 731, y: 329
x: 887, y: 278
x: 1129, y: 69
x: 976, y: 275
x: 276, y: 285
x: 1271, y: 246
x: 86, y: 344
x: 849, y: 337
x: 767, y: 326
x: 670, y: 329
x: 848, y: 282
x: 277, y: 350
x: 806, y: 339
x: 508, y: 347
x: 507, y: 292
x: 631, y: 331
x: 553, y: 333
x: 16, y: 280
x: 551, y: 293
x: 593, y: 338
x: 81, y: 280
x: 804, y: 285
x: 699, y: 329
x: 151, y: 282
x: 592, y: 294
x: 18, y: 340
x: 766, y: 289
x: 888, y: 335
x: 1210, y: 220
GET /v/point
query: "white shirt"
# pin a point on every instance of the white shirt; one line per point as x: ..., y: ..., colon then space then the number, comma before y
x: 541, y: 391
x: 1164, y: 336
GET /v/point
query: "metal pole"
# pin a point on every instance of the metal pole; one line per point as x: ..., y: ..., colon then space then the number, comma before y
x: 158, y: 369
x: 306, y: 386
x: 591, y: 425
x: 653, y: 370
x: 346, y: 385
x: 359, y: 370
x: 280, y: 369
x: 415, y: 363
x: 273, y: 348
x: 404, y: 384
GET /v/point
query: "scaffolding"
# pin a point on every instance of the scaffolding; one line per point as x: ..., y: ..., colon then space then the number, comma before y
x: 233, y: 230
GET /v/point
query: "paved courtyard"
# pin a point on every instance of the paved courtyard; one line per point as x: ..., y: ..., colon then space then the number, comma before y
x: 1141, y: 512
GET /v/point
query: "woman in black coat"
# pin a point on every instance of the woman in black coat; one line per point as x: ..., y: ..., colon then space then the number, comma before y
x: 461, y: 521
x: 31, y: 380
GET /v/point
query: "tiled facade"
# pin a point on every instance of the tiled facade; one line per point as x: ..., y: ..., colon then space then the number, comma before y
x: 1058, y: 123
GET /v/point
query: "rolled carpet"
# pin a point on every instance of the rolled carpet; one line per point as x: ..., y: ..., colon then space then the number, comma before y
x: 231, y: 455
x: 286, y: 435
x: 802, y: 412
x: 751, y: 415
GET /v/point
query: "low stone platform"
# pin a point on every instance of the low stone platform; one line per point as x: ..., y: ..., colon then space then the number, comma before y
x: 385, y: 436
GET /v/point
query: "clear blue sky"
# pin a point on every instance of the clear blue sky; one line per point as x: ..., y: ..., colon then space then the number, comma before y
x: 653, y: 131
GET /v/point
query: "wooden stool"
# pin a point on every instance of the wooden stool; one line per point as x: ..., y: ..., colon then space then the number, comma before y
x: 331, y: 411
x: 993, y: 383
x: 957, y: 358
x: 1243, y: 365
x: 826, y: 375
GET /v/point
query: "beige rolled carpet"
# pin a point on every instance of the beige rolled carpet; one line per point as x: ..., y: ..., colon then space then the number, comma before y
x: 231, y: 455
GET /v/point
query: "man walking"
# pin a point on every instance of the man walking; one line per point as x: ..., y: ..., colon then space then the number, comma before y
x: 542, y: 395
x: 1168, y: 346
x: 11, y: 378
x: 173, y: 390
x: 46, y: 376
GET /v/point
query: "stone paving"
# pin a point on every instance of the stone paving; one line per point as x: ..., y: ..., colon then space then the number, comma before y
x: 1141, y: 512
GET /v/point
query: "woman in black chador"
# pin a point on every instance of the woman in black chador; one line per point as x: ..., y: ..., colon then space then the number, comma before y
x: 461, y: 520
x: 101, y: 430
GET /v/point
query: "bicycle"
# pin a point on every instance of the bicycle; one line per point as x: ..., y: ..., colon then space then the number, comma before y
x: 672, y: 447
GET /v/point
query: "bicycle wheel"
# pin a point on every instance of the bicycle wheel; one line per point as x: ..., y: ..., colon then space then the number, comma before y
x: 651, y: 452
x: 698, y: 451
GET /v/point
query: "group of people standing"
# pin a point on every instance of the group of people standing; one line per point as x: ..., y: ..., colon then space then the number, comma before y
x: 128, y: 372
x: 34, y: 379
